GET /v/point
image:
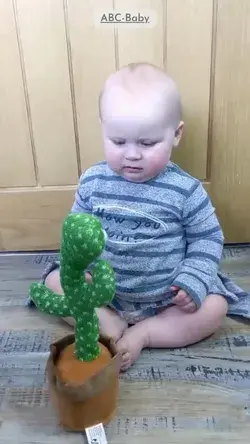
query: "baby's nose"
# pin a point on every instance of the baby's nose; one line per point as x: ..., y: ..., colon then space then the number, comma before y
x: 132, y: 153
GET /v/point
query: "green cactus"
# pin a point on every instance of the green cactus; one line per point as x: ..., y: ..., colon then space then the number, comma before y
x: 82, y: 243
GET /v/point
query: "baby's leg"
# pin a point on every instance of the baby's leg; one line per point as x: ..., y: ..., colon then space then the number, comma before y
x: 172, y: 328
x: 110, y: 323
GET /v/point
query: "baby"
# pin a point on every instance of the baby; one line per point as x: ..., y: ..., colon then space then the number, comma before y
x: 163, y: 238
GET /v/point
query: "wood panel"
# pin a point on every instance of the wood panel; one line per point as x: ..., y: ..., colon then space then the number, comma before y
x: 43, y: 39
x: 31, y: 219
x: 140, y: 43
x: 55, y: 56
x: 92, y: 58
x: 16, y: 159
x: 231, y: 116
x: 188, y: 61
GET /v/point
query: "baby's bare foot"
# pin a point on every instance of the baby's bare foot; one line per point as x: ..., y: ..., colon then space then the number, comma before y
x: 131, y: 344
x: 110, y: 323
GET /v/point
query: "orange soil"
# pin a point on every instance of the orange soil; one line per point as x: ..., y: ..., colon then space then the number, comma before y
x: 70, y: 369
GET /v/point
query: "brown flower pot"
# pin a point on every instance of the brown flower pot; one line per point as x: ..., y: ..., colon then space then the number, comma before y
x: 83, y: 393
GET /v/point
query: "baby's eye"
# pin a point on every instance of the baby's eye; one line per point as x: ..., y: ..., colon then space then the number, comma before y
x: 148, y: 143
x: 118, y: 141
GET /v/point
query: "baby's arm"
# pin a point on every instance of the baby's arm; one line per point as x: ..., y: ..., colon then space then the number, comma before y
x: 204, y: 246
x: 82, y: 195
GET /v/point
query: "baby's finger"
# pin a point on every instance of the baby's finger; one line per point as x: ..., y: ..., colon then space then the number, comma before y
x: 182, y: 294
x: 183, y: 302
x: 189, y: 308
x: 174, y: 288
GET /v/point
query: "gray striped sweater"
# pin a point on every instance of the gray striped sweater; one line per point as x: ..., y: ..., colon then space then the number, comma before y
x: 160, y: 233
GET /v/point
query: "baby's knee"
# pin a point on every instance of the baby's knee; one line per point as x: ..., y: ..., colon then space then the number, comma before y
x: 216, y: 307
x: 218, y: 302
x: 52, y: 281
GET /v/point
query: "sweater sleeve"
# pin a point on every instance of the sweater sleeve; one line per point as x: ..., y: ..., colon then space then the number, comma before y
x: 204, y: 246
x: 82, y: 195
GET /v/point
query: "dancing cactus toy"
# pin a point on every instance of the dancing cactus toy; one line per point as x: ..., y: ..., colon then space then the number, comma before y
x: 83, y: 368
x: 83, y: 241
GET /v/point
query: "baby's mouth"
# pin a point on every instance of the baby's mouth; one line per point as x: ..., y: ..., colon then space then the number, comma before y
x: 132, y: 168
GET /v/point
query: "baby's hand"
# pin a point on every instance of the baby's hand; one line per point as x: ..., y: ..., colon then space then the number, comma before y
x: 183, y: 300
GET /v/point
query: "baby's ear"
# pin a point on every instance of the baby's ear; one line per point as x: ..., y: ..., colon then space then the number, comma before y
x: 178, y: 134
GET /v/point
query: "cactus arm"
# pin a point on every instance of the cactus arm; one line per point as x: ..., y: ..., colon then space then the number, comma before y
x: 103, y: 283
x: 48, y: 301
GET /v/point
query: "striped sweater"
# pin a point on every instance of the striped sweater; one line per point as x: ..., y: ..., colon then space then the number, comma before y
x: 160, y: 233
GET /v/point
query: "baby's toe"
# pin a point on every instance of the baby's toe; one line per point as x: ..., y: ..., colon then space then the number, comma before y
x: 126, y: 361
x: 131, y: 345
x: 126, y: 356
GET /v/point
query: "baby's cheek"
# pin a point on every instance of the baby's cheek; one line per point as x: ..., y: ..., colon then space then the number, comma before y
x: 157, y: 162
x: 113, y: 159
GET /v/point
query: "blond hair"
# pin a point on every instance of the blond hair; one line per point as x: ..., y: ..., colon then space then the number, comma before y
x: 137, y: 78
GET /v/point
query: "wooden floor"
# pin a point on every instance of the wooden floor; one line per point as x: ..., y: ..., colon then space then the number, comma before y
x: 199, y: 394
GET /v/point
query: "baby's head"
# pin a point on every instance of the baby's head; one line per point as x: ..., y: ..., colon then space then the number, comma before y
x: 140, y: 114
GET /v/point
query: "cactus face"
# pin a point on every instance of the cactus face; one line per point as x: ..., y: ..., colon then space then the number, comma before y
x: 82, y: 243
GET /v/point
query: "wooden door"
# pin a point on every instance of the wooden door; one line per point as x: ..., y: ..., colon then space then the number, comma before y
x: 54, y: 59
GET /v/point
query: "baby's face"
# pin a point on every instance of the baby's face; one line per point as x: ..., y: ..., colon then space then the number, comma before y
x: 137, y: 141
